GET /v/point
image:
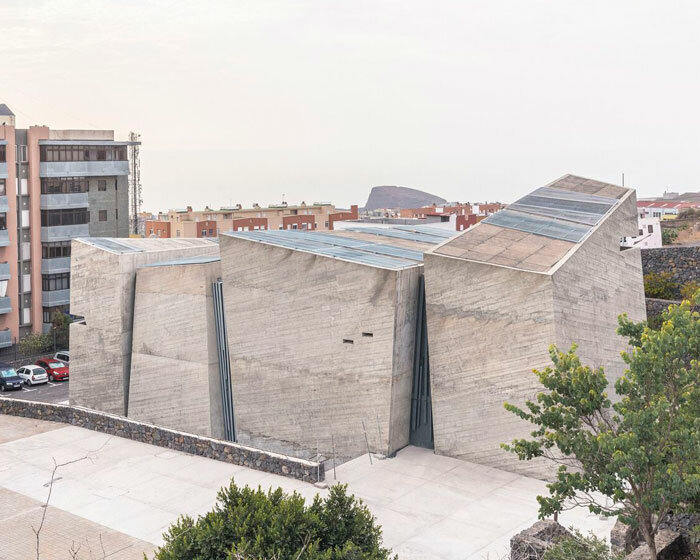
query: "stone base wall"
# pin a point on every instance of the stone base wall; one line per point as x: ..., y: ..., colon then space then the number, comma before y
x: 682, y: 262
x: 225, y: 451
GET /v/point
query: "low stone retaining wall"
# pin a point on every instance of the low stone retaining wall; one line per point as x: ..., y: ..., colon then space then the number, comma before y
x: 225, y: 451
x: 682, y: 262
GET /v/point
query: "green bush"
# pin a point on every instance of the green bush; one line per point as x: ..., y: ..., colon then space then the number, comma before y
x: 668, y: 236
x: 660, y: 285
x: 688, y: 290
x: 35, y: 343
x: 580, y: 547
x: 248, y: 524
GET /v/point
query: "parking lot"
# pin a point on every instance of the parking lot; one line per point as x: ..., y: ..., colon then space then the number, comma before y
x: 55, y: 392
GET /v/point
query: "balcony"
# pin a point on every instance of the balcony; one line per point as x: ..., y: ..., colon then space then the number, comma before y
x: 3, y: 170
x: 83, y: 168
x: 4, y: 238
x: 63, y: 233
x: 5, y: 306
x: 57, y: 297
x: 62, y: 200
x: 5, y: 338
x: 54, y: 266
x: 4, y: 271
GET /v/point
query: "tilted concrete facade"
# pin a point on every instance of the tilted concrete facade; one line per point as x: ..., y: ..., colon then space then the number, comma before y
x: 102, y: 291
x: 318, y: 345
x: 174, y: 348
x: 490, y: 325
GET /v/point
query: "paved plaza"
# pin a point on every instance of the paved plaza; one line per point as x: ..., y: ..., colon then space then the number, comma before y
x: 127, y: 493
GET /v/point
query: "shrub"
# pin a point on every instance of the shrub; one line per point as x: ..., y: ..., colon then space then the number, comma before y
x: 688, y: 290
x: 668, y: 236
x: 35, y: 343
x: 257, y: 525
x: 660, y: 285
x: 581, y: 547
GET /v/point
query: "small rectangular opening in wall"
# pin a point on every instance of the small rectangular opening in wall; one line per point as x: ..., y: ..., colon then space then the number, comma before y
x: 348, y: 341
x: 368, y: 334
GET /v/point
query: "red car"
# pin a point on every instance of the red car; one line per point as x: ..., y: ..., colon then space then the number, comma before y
x: 57, y: 371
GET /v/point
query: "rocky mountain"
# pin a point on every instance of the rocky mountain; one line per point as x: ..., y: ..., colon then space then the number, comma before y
x: 400, y: 197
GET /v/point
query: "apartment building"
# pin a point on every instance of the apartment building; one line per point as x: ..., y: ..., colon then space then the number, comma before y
x: 209, y: 223
x: 55, y: 185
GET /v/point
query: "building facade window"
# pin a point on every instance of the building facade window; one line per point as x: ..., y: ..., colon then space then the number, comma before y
x: 55, y: 250
x: 651, y: 228
x: 102, y: 215
x: 83, y: 153
x: 64, y: 185
x: 53, y: 282
x: 49, y: 311
x: 2, y: 187
x: 102, y: 185
x: 3, y: 221
x: 3, y: 153
x: 65, y: 217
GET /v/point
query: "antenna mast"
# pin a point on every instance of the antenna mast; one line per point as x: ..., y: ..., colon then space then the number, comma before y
x: 135, y: 199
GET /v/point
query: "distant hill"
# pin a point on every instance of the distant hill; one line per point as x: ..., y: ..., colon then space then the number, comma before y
x: 400, y: 197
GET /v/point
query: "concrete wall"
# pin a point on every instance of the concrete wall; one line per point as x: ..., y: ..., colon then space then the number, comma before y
x: 593, y: 287
x: 102, y: 291
x: 174, y: 380
x: 115, y: 202
x: 488, y: 327
x: 295, y: 381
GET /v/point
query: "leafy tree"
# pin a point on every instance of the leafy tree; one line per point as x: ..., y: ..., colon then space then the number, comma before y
x: 581, y: 547
x: 35, y: 343
x: 689, y: 289
x: 642, y: 453
x: 257, y: 525
x: 61, y: 328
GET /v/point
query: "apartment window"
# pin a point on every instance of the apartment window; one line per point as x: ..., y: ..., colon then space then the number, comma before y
x: 3, y: 221
x: 3, y: 153
x: 63, y: 185
x: 211, y: 233
x: 64, y: 217
x: 650, y: 228
x: 49, y: 311
x: 2, y: 187
x: 204, y: 233
x: 102, y: 215
x: 326, y: 224
x: 294, y: 226
x: 102, y: 185
x: 83, y: 153
x: 656, y: 214
x: 53, y: 282
x: 55, y: 250
x: 641, y: 232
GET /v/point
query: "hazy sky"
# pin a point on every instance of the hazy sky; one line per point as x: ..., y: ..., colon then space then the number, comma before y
x: 242, y: 101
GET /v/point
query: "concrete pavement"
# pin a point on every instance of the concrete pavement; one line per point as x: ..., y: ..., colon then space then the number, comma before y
x: 430, y: 507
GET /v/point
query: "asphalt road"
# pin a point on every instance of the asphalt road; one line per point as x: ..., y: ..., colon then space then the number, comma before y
x: 52, y: 392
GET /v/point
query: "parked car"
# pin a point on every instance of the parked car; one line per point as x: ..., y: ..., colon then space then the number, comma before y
x: 9, y: 380
x: 63, y: 356
x: 33, y: 375
x: 56, y: 370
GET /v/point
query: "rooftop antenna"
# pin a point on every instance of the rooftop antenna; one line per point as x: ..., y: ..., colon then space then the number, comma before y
x: 623, y: 179
x: 135, y: 200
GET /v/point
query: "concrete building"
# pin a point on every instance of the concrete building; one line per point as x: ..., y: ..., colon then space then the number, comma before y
x: 664, y: 209
x: 55, y: 185
x: 208, y: 223
x: 549, y: 269
x: 103, y: 292
x: 377, y: 336
x: 321, y: 332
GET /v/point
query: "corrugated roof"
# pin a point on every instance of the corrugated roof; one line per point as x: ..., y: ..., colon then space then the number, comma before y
x: 335, y: 246
x: 123, y: 245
